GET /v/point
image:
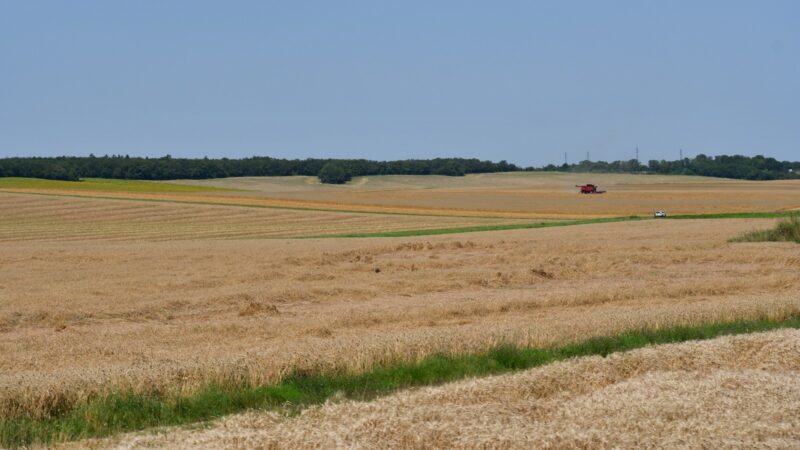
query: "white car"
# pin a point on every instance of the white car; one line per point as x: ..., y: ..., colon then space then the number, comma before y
x: 660, y: 214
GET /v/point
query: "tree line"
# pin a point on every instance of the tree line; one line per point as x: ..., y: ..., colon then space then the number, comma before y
x: 342, y: 170
x: 724, y: 166
x: 168, y: 168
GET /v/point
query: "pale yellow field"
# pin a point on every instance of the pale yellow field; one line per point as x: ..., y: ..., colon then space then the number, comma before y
x: 81, y: 317
x: 57, y: 218
x: 541, y: 194
x: 732, y: 392
x: 168, y: 291
x: 504, y: 195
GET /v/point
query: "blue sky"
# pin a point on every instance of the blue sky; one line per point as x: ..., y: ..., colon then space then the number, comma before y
x: 523, y: 81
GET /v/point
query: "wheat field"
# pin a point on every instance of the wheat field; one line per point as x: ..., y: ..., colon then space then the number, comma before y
x: 159, y: 292
x: 731, y: 392
x: 80, y: 318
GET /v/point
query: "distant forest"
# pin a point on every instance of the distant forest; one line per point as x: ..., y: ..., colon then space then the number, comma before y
x: 342, y: 170
x: 723, y: 166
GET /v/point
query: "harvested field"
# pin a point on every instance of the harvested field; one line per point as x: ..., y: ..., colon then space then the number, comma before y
x: 79, y: 318
x: 517, y: 195
x: 539, y: 194
x: 56, y: 218
x: 167, y: 288
x: 731, y: 392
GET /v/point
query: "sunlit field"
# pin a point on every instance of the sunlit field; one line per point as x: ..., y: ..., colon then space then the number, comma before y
x: 505, y: 195
x: 162, y: 293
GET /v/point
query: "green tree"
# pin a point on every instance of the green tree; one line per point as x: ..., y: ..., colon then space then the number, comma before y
x: 333, y: 173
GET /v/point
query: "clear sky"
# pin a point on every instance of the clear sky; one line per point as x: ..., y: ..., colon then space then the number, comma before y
x: 523, y: 81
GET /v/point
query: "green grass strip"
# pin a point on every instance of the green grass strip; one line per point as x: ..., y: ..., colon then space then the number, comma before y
x: 561, y: 223
x: 122, y: 412
x: 475, y: 228
x: 786, y: 230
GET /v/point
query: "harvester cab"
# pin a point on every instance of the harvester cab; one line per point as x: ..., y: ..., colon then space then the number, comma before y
x: 589, y: 189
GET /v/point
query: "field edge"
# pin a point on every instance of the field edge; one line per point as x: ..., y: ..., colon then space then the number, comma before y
x: 123, y: 411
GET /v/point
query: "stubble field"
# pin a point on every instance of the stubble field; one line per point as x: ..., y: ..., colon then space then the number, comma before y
x: 504, y: 195
x: 549, y: 195
x: 41, y: 218
x: 102, y: 294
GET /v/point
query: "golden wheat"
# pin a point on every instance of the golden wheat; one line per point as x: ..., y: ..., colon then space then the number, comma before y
x: 84, y: 317
x: 730, y: 392
x: 151, y: 295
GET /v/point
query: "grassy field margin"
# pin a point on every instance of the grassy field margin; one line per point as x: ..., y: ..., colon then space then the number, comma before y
x: 476, y: 228
x: 561, y: 223
x: 122, y: 412
x: 787, y: 230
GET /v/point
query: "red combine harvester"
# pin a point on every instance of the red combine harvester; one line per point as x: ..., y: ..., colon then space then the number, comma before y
x: 589, y: 189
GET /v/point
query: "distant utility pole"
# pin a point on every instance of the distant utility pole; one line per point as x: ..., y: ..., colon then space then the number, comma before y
x: 637, y: 154
x: 681, y: 154
x: 587, y: 156
x: 565, y: 158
